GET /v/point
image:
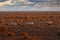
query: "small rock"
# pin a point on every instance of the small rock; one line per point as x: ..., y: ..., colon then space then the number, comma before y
x: 30, y: 23
x: 49, y: 22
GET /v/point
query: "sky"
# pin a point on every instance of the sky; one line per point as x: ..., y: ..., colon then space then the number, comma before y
x: 2, y: 0
x: 29, y: 0
x: 24, y: 5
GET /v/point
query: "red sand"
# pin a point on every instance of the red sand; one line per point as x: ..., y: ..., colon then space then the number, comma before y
x: 29, y: 25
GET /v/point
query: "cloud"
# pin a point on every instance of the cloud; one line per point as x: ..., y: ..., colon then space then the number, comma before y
x: 15, y: 2
x: 8, y: 2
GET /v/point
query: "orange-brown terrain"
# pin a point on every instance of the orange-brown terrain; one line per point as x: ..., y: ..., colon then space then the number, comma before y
x: 29, y: 25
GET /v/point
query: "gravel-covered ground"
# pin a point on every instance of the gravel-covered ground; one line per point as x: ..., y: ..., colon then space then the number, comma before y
x: 29, y: 26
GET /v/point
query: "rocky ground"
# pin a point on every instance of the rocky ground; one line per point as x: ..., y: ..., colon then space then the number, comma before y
x: 29, y: 25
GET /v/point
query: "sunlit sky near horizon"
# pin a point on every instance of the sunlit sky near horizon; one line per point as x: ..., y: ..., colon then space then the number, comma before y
x: 24, y: 5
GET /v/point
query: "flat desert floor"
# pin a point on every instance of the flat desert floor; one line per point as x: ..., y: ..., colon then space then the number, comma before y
x: 29, y: 25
